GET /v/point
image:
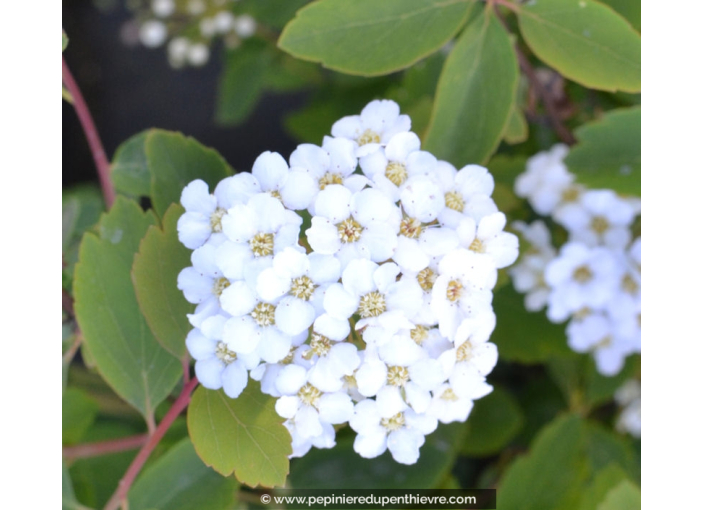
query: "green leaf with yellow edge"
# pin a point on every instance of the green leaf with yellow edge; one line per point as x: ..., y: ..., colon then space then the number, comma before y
x: 175, y: 160
x: 607, y: 153
x: 160, y: 259
x: 129, y: 171
x: 493, y: 423
x: 242, y: 82
x: 123, y: 348
x: 585, y: 41
x: 371, y: 38
x: 552, y: 473
x: 342, y: 468
x: 78, y: 411
x: 625, y: 496
x: 475, y: 94
x: 180, y: 481
x: 243, y: 435
x: 523, y: 336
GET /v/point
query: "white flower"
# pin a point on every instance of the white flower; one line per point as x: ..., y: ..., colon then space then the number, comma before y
x: 600, y: 217
x: 378, y: 123
x: 595, y: 333
x: 391, y: 166
x: 528, y: 275
x: 628, y: 398
x: 363, y: 224
x: 333, y: 163
x: 202, y: 217
x: 461, y: 295
x: 403, y: 434
x: 487, y: 237
x: 245, y: 26
x: 198, y: 54
x: 163, y: 8
x: 466, y: 365
x: 203, y: 281
x: 331, y: 362
x: 217, y: 366
x: 547, y: 183
x: 153, y: 33
x: 308, y: 407
x: 580, y: 277
x: 467, y: 193
x: 447, y: 406
x: 294, y: 187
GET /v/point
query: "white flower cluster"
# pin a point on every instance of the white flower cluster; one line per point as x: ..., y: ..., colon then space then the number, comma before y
x: 594, y: 279
x: 380, y: 315
x: 192, y: 26
x: 628, y: 398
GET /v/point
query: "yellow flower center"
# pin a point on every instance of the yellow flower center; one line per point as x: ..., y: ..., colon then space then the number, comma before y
x: 302, y: 287
x: 309, y: 394
x: 426, y: 278
x: 449, y: 395
x: 582, y: 274
x: 368, y: 136
x: 410, y: 227
x: 454, y: 290
x: 216, y: 219
x: 396, y: 172
x: 224, y: 354
x: 419, y: 334
x: 262, y: 244
x: 394, y: 423
x: 570, y: 194
x: 329, y: 178
x: 454, y: 200
x: 372, y: 305
x: 464, y: 351
x: 397, y: 376
x: 349, y: 231
x: 263, y: 314
x: 599, y: 224
x: 628, y: 284
x: 477, y: 246
x: 220, y: 285
x: 319, y: 345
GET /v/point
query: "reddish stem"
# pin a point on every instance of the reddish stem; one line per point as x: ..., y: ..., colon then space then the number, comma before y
x: 82, y: 451
x: 124, y: 486
x: 96, y: 146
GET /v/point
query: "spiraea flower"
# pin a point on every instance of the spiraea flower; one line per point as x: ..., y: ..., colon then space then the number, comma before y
x: 379, y: 314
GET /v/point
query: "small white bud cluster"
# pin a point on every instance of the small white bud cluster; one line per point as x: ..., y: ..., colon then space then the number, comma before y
x: 190, y: 28
x: 380, y: 315
x: 594, y: 280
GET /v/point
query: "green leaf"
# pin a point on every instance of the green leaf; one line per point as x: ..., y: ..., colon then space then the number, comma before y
x: 124, y: 350
x: 174, y: 161
x: 629, y: 9
x: 604, y: 480
x: 600, y: 388
x: 155, y: 270
x: 505, y: 169
x: 372, y: 38
x: 523, y: 336
x: 551, y: 475
x: 81, y: 208
x: 180, y: 481
x: 129, y: 171
x: 242, y: 81
x: 517, y: 127
x: 244, y: 435
x: 607, y: 154
x: 68, y: 497
x: 586, y: 41
x: 605, y: 447
x: 625, y: 496
x: 342, y: 468
x: 287, y: 74
x: 78, y: 412
x: 64, y: 40
x: 495, y: 420
x: 475, y: 94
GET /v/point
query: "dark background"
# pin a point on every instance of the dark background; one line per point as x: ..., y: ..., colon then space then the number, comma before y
x: 129, y: 89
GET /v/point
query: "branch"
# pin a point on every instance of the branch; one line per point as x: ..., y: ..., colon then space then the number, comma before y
x: 550, y: 108
x: 124, y: 486
x: 83, y: 451
x: 96, y: 146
